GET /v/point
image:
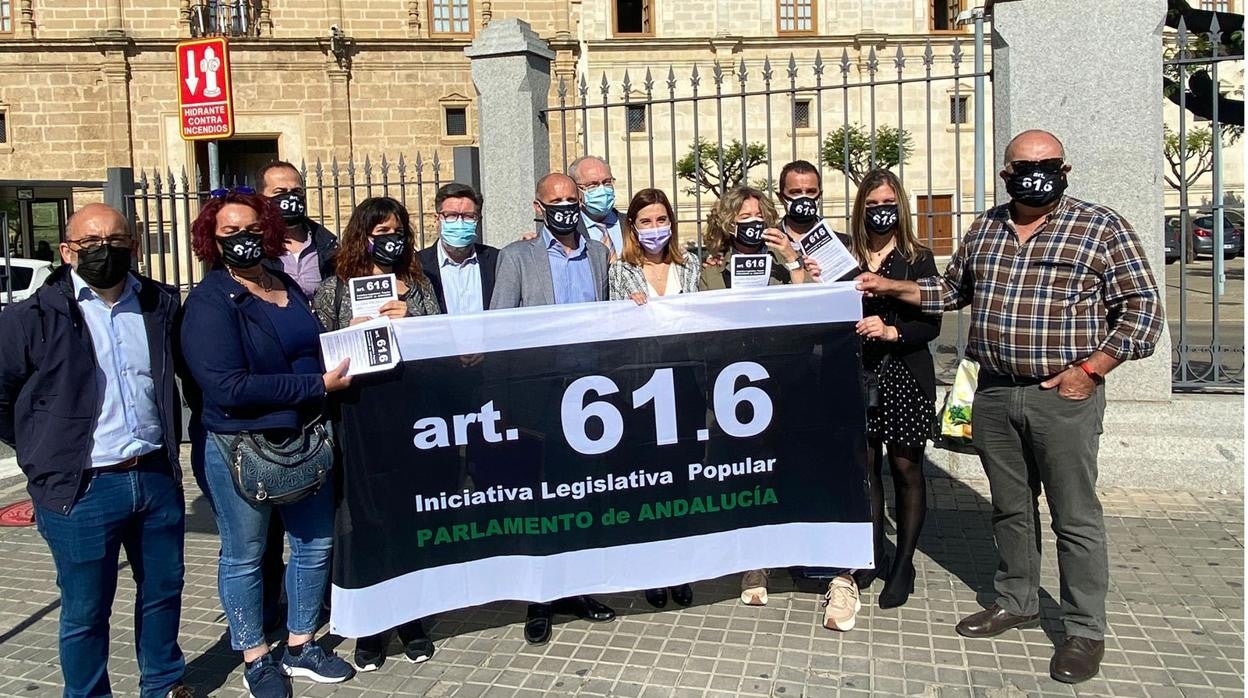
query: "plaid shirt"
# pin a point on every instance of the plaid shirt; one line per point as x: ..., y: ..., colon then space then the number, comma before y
x: 1080, y: 283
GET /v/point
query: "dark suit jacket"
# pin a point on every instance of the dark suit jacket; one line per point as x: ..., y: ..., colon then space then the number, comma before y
x: 487, y: 257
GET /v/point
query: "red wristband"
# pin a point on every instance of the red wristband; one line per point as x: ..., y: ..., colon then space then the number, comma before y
x: 1090, y: 371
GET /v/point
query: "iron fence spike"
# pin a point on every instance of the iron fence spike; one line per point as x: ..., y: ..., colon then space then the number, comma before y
x: 928, y: 55
x: 845, y: 61
x: 900, y: 60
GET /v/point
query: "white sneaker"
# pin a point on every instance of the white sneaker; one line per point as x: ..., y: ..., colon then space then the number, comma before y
x: 754, y: 588
x: 841, y: 604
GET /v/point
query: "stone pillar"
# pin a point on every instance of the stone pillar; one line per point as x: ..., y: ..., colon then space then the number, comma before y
x: 340, y: 140
x: 511, y: 73
x: 1090, y: 73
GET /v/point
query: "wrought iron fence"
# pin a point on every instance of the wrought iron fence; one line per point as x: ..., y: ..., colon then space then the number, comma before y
x: 694, y: 134
x: 164, y: 205
x: 1208, y: 341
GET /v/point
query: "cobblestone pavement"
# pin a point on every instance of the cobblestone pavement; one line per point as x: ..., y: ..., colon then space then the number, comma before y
x: 1176, y: 608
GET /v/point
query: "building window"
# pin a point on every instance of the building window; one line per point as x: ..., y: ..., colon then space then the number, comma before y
x: 6, y: 17
x: 1216, y: 5
x: 957, y: 109
x: 451, y: 16
x: 632, y: 17
x: 4, y: 127
x: 945, y: 15
x: 457, y: 121
x: 801, y: 114
x: 636, y: 119
x: 796, y: 16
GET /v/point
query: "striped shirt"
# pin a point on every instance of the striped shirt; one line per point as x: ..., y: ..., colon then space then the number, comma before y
x: 1080, y: 283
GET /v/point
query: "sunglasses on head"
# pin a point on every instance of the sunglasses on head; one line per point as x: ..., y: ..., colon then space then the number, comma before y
x: 221, y: 193
x: 1048, y: 165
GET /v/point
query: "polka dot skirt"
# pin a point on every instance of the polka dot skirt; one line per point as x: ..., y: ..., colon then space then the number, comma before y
x: 905, y: 414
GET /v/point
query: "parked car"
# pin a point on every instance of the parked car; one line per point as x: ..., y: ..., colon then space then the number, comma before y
x: 1202, y: 235
x: 1237, y: 217
x: 1172, y: 238
x: 26, y: 276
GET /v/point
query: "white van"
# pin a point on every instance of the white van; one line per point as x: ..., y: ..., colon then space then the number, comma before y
x: 26, y: 275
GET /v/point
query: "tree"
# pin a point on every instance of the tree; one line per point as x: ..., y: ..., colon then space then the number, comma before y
x: 1195, y: 80
x: 892, y: 146
x: 1198, y: 157
x: 701, y: 165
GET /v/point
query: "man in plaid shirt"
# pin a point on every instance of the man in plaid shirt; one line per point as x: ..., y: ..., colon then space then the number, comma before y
x: 1060, y: 294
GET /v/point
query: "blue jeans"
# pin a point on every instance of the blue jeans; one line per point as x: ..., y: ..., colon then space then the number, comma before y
x: 142, y: 510
x: 244, y: 527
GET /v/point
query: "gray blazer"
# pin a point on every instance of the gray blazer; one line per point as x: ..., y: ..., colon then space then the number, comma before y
x: 523, y: 276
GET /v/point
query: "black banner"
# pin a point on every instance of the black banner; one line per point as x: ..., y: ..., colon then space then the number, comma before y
x: 576, y: 466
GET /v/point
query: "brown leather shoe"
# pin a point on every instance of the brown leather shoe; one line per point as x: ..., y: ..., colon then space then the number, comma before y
x: 1077, y: 660
x: 994, y: 621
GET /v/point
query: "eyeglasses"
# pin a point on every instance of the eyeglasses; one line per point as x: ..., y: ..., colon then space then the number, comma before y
x: 1048, y: 165
x: 452, y: 216
x: 221, y: 193
x: 94, y: 243
x: 609, y: 183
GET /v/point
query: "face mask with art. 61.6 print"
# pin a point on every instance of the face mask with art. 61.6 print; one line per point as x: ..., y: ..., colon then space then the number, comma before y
x: 242, y: 250
x: 562, y: 219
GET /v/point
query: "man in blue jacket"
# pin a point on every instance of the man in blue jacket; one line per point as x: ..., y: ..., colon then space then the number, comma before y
x: 87, y: 398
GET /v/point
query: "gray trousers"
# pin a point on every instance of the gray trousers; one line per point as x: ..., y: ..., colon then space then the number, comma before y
x: 1032, y: 440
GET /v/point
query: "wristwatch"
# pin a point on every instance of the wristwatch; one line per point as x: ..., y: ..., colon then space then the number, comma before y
x: 1092, y: 373
x: 794, y: 265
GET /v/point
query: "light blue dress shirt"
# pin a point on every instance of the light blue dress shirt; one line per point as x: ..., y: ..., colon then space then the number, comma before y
x: 607, y: 232
x: 129, y: 421
x: 461, y: 283
x: 572, y: 274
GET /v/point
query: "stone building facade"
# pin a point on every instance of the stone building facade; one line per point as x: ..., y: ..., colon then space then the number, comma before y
x: 89, y: 85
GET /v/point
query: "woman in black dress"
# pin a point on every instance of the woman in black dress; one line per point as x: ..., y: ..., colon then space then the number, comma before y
x: 896, y: 358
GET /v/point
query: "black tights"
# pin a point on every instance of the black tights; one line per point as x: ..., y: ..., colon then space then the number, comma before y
x: 910, y: 489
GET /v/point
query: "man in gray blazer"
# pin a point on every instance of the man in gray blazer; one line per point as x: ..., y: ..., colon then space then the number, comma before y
x: 560, y: 265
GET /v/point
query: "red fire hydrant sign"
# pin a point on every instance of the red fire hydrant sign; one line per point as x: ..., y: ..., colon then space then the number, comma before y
x: 205, y: 95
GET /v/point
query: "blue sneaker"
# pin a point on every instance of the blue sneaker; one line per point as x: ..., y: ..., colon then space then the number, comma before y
x: 317, y: 664
x: 265, y: 679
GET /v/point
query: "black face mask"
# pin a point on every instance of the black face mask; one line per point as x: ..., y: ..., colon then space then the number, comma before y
x: 242, y: 250
x: 803, y: 210
x: 292, y: 206
x: 562, y: 219
x: 750, y: 233
x: 1036, y: 187
x: 104, y: 266
x: 881, y: 219
x: 387, y: 249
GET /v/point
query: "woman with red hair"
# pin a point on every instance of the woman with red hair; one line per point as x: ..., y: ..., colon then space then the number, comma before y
x: 250, y: 360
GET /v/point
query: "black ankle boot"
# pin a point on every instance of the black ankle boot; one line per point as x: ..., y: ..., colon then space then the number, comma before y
x: 899, y: 586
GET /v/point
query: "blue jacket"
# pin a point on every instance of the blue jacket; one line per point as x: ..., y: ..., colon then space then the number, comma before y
x: 233, y: 368
x: 48, y: 393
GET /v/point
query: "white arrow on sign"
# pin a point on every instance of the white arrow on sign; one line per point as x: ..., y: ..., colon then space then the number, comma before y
x: 192, y: 80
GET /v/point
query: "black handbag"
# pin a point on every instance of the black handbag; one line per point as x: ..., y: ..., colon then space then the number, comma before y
x: 269, y: 471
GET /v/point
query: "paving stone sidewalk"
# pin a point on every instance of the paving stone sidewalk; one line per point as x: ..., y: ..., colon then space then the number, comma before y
x: 1176, y: 608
